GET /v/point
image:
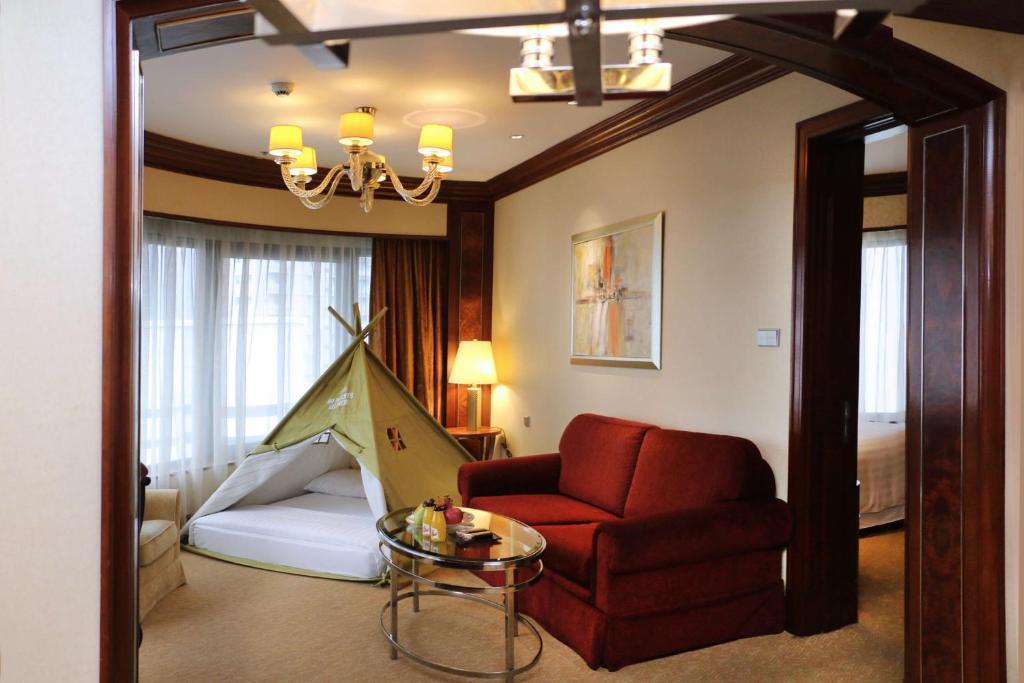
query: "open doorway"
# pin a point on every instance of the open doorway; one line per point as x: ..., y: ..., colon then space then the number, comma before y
x: 882, y: 388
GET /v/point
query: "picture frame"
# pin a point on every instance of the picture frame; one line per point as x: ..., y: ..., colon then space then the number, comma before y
x: 616, y: 294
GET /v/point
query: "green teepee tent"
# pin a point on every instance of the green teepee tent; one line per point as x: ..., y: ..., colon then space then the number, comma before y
x: 375, y: 418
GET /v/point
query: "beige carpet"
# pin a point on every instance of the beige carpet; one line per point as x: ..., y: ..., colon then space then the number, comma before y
x: 233, y: 623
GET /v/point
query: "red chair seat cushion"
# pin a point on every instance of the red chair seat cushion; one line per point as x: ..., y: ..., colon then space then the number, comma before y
x: 542, y: 508
x: 570, y: 551
x: 598, y: 457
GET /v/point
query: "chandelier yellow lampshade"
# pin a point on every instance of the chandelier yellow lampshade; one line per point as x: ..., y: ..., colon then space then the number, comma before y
x: 305, y: 164
x: 356, y: 129
x: 435, y: 140
x: 474, y: 364
x: 444, y: 165
x: 286, y: 141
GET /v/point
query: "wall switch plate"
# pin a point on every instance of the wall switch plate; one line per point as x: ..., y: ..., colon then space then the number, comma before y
x: 526, y: 421
x: 769, y: 336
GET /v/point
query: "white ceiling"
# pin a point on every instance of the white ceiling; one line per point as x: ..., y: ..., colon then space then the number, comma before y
x: 220, y: 97
x: 888, y: 154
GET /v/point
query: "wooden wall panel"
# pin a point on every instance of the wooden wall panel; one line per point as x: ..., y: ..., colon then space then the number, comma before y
x: 955, y: 473
x: 470, y: 263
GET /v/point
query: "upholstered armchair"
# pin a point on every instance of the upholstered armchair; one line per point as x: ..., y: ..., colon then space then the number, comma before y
x: 160, y: 567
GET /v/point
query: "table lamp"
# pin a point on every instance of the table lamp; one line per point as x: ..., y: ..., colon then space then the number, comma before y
x: 474, y: 365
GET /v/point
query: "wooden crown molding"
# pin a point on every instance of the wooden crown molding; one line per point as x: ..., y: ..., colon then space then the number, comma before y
x: 882, y: 184
x: 728, y: 78
x: 996, y: 15
x: 731, y: 77
x: 179, y: 156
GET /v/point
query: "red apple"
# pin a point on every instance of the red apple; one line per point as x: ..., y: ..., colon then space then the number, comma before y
x: 452, y: 515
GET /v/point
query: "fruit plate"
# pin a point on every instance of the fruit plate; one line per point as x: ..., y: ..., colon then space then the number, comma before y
x: 467, y: 518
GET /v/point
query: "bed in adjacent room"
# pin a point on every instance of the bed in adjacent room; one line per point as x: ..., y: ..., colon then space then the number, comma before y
x: 881, y: 470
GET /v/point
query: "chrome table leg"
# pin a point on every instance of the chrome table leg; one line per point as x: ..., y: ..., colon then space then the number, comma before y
x: 511, y: 624
x: 415, y: 589
x: 394, y: 609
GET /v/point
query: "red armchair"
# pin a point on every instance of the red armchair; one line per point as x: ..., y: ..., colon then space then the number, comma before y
x: 659, y: 541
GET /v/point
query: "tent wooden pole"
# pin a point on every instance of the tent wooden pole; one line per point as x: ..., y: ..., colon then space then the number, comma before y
x: 344, y: 323
x: 357, y: 317
x: 376, y: 319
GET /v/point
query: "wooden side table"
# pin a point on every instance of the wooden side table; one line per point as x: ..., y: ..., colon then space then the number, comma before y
x: 487, y: 436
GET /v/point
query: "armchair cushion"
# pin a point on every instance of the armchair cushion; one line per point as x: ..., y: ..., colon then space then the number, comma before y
x: 657, y: 541
x: 598, y: 457
x: 542, y: 508
x: 570, y: 551
x: 527, y: 474
x: 156, y: 537
x: 679, y: 470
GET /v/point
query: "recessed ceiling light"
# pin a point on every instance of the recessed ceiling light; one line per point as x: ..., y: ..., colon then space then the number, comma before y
x: 572, y: 103
x: 516, y: 136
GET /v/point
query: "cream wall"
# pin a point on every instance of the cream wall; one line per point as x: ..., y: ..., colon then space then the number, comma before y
x: 999, y: 58
x: 51, y: 228
x: 187, y: 195
x: 726, y: 187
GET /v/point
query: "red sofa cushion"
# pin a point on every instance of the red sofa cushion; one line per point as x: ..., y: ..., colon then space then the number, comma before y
x: 570, y: 551
x: 678, y: 470
x: 598, y: 457
x: 537, y: 509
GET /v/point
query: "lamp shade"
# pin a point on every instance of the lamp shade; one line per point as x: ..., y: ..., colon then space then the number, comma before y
x: 305, y: 164
x: 356, y: 129
x: 285, y: 141
x: 444, y: 165
x: 436, y: 140
x: 474, y: 364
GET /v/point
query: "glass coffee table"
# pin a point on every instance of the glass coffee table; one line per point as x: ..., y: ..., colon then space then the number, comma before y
x: 407, y: 553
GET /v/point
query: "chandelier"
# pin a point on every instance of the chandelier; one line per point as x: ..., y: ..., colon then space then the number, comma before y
x: 366, y: 170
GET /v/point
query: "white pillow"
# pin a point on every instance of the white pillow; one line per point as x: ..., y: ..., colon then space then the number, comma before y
x: 344, y: 482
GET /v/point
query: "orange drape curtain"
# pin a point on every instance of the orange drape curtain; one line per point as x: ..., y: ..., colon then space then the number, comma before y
x: 410, y: 277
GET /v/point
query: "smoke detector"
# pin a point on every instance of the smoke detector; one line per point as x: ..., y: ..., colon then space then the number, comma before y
x: 282, y: 88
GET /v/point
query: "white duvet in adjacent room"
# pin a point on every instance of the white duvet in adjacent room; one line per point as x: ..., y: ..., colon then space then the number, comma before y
x: 881, y: 469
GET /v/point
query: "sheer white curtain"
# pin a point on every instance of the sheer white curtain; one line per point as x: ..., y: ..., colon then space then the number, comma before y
x: 234, y: 329
x: 883, y: 326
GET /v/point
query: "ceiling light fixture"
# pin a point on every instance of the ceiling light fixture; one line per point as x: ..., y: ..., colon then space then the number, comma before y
x: 366, y: 170
x: 516, y: 136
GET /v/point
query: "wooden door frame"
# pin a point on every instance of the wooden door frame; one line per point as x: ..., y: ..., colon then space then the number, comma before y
x: 966, y: 545
x: 821, y: 564
x: 912, y: 83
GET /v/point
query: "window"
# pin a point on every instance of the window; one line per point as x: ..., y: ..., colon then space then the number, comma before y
x: 234, y: 329
x: 883, y: 326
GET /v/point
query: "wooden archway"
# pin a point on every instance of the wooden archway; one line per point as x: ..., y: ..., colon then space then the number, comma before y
x: 957, y: 123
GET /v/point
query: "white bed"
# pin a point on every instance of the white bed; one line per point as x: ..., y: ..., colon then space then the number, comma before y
x: 269, y: 513
x: 881, y: 469
x: 312, y: 533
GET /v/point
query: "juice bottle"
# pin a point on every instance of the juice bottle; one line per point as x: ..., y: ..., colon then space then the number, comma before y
x: 439, y: 528
x: 428, y: 518
x: 417, y: 517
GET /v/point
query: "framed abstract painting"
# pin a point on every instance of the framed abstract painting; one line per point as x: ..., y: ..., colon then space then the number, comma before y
x: 616, y: 294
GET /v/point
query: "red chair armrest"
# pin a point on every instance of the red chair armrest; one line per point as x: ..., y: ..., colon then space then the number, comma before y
x: 643, y: 543
x: 526, y: 474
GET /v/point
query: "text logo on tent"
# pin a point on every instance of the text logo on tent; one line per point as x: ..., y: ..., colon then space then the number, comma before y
x: 341, y: 400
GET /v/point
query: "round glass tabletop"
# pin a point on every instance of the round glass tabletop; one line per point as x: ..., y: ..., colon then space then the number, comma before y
x: 517, y: 544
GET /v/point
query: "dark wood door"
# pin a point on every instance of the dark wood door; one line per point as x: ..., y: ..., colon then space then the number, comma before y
x: 954, y: 603
x: 821, y: 574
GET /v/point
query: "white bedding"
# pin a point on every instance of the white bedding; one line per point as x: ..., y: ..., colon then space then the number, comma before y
x: 311, y: 532
x: 881, y: 469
